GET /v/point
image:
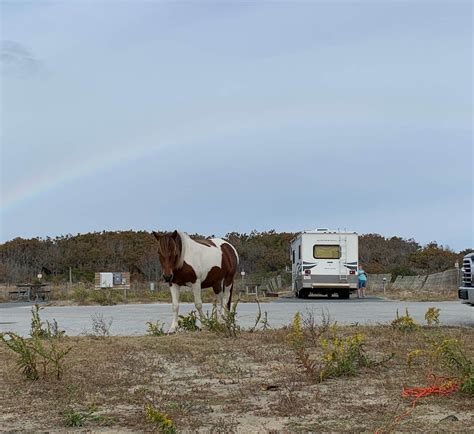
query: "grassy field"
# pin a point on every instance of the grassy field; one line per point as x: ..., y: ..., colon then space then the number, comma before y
x: 313, y: 377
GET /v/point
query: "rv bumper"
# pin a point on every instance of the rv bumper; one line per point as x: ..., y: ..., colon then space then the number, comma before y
x: 330, y: 285
x: 325, y: 283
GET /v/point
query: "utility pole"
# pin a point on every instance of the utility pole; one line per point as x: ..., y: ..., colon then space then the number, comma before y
x: 70, y: 277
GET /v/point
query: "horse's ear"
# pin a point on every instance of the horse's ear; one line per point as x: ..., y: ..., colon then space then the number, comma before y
x: 156, y: 235
x: 174, y: 235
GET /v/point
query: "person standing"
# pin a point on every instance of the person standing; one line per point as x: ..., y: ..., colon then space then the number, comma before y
x: 362, y: 282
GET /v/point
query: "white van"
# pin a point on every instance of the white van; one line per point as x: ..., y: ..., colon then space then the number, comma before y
x: 324, y: 261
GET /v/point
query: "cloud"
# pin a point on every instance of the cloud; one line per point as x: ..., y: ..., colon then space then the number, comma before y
x: 17, y: 60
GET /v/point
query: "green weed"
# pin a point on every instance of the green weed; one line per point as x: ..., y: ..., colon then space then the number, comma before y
x: 43, y: 352
x: 225, y: 324
x: 188, y: 322
x: 404, y: 323
x: 432, y: 316
x: 155, y: 329
x: 453, y: 357
x: 160, y: 420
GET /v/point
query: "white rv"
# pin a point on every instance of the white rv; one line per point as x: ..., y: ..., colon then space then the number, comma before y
x: 324, y: 261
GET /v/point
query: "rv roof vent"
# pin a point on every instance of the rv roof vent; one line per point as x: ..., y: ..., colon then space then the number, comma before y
x: 322, y: 229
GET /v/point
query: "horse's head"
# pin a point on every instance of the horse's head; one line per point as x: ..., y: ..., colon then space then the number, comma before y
x: 169, y: 251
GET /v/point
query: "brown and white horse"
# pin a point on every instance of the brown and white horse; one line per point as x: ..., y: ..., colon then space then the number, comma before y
x: 210, y: 263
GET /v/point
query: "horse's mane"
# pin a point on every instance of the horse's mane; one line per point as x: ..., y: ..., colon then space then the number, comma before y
x: 175, y: 245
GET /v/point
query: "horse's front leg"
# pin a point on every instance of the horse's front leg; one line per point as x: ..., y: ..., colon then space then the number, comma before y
x: 175, y: 299
x: 221, y: 310
x: 198, y: 298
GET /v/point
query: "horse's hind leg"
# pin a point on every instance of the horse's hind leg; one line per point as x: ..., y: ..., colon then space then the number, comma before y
x: 227, y: 297
x: 219, y: 291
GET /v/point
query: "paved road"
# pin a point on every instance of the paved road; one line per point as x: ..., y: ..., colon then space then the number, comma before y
x: 130, y: 319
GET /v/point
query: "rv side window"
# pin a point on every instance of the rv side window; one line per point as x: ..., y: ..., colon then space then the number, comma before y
x: 299, y: 251
x: 293, y: 256
x: 326, y: 251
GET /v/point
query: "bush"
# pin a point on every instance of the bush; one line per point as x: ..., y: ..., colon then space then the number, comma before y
x: 455, y: 359
x: 100, y: 326
x: 155, y: 329
x: 225, y: 324
x: 80, y: 294
x: 432, y: 316
x: 43, y: 352
x: 340, y: 356
x: 105, y: 297
x: 188, y: 322
x: 343, y: 356
x: 160, y: 420
x: 404, y: 323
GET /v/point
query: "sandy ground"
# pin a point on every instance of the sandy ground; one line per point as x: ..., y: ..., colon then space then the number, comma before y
x: 254, y: 383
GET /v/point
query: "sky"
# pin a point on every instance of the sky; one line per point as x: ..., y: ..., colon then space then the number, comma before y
x: 222, y: 116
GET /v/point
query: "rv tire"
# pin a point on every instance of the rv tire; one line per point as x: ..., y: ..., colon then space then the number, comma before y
x: 303, y: 293
x: 343, y: 294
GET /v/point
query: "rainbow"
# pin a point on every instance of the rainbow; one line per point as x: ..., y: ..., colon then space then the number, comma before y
x: 47, y: 181
x: 203, y: 132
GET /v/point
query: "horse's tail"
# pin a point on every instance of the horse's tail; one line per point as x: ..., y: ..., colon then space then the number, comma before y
x: 229, y: 302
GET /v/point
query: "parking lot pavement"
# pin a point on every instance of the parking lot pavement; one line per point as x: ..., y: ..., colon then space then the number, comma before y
x: 130, y: 319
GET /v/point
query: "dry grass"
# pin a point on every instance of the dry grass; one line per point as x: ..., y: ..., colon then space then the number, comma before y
x: 403, y: 295
x: 203, y: 382
x: 82, y: 296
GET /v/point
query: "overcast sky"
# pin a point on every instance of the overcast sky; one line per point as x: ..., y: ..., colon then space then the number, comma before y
x: 214, y: 117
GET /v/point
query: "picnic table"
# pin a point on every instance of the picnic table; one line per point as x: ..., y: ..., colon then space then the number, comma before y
x: 30, y: 291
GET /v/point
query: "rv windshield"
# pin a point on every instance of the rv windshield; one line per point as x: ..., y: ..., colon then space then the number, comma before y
x: 326, y: 251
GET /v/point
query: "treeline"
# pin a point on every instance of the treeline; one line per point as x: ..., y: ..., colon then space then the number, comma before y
x: 261, y: 253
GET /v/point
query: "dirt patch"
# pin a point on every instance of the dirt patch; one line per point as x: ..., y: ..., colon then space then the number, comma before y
x: 207, y: 383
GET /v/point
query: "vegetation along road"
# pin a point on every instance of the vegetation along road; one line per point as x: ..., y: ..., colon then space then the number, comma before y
x: 131, y: 319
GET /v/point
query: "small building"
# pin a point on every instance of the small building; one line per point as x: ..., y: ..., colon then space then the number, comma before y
x: 112, y: 280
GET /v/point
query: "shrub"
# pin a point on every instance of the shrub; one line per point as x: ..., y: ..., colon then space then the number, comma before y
x: 188, y: 322
x: 27, y: 357
x: 296, y: 337
x: 404, y: 323
x: 73, y: 418
x: 105, y: 297
x: 43, y: 349
x: 455, y: 359
x: 341, y: 356
x: 414, y: 355
x: 259, y: 320
x: 78, y: 418
x: 155, y: 329
x: 100, y: 326
x: 225, y: 324
x: 160, y: 420
x: 80, y: 294
x: 432, y: 316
